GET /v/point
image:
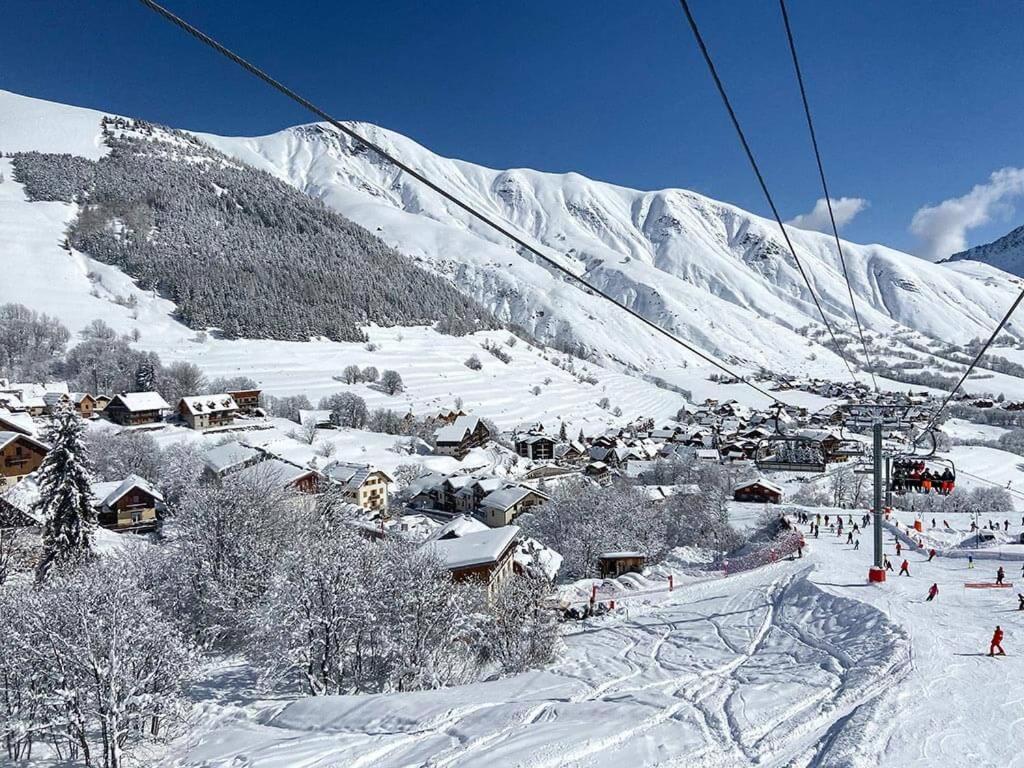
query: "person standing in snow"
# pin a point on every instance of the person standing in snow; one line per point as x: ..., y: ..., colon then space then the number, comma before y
x: 933, y: 522
x: 888, y: 564
x: 899, y: 548
x: 1006, y: 525
x: 1000, y: 575
x: 856, y: 544
x: 933, y: 590
x: 970, y: 561
x: 1020, y: 602
x: 905, y: 568
x: 849, y: 538
x: 931, y: 554
x: 997, y: 642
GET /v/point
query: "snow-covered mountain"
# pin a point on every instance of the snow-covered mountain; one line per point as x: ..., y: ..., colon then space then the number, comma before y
x: 712, y: 273
x: 1005, y: 253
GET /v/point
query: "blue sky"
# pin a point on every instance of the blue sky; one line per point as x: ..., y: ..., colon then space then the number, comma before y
x: 915, y: 101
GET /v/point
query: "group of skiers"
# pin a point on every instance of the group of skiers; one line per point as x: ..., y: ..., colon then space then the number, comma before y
x: 914, y: 476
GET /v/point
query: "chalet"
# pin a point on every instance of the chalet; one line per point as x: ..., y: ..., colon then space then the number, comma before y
x: 230, y: 457
x: 363, y: 485
x: 501, y: 507
x: 283, y: 475
x: 84, y: 403
x: 131, y: 409
x: 461, y: 436
x: 101, y: 402
x: 598, y: 472
x: 10, y: 401
x: 483, y: 556
x: 613, y: 564
x: 570, y: 452
x: 536, y: 447
x: 207, y: 411
x: 20, y: 455
x: 707, y: 454
x: 34, y: 405
x: 758, y: 491
x: 468, y: 497
x: 128, y: 505
x: 247, y: 400
x: 318, y: 416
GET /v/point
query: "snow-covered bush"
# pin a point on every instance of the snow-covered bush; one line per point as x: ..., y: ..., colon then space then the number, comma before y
x: 370, y: 374
x: 473, y: 363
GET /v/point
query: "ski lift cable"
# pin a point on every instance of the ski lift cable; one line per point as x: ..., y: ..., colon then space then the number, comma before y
x: 760, y: 179
x: 869, y: 362
x: 981, y: 353
x: 993, y: 483
x: 418, y: 176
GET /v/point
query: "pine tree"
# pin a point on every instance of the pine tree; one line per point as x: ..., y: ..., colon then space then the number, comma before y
x: 145, y: 377
x: 65, y: 500
x: 562, y: 434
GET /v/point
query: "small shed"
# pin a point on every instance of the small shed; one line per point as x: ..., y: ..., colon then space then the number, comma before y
x: 612, y: 564
x: 758, y: 491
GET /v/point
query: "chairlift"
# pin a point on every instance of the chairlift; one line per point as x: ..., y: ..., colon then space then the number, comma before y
x: 788, y: 453
x: 914, y: 472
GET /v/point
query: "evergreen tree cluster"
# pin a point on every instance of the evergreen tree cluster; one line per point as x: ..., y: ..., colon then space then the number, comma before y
x: 235, y: 248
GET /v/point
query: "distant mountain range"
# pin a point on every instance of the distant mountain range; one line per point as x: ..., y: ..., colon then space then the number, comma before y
x: 710, y: 272
x: 1005, y: 253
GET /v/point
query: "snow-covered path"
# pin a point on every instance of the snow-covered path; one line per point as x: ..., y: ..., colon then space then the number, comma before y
x: 756, y: 668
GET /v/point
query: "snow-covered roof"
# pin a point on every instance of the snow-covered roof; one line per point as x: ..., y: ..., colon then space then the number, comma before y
x: 11, y: 400
x: 507, y: 497
x: 618, y: 555
x: 6, y: 438
x: 224, y: 457
x: 762, y: 482
x: 458, y: 526
x: 282, y: 471
x: 474, y: 548
x: 17, y: 422
x: 107, y: 493
x: 457, y: 430
x: 350, y: 474
x: 78, y: 397
x: 316, y: 415
x: 199, y: 404
x: 142, y: 401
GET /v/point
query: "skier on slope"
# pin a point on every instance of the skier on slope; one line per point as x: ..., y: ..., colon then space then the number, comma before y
x: 899, y: 548
x: 888, y: 564
x: 931, y: 554
x: 856, y: 544
x: 997, y: 642
x: 1020, y: 602
x: 933, y: 590
x: 1000, y: 575
x: 905, y: 568
x: 970, y: 561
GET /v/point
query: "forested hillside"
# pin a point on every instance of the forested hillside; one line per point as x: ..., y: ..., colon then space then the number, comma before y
x: 233, y: 247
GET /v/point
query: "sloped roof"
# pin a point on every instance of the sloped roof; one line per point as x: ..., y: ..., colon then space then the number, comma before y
x: 507, y: 497
x: 474, y: 548
x: 224, y: 457
x: 352, y: 475
x: 762, y: 482
x: 7, y: 438
x: 457, y: 527
x: 199, y: 404
x: 108, y: 493
x: 142, y: 401
x: 17, y: 422
x: 281, y: 470
x: 457, y: 430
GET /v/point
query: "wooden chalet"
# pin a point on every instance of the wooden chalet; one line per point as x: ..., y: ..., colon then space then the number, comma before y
x: 461, y: 436
x: 208, y: 411
x: 485, y: 556
x: 84, y: 403
x: 501, y: 507
x: 20, y: 455
x: 283, y: 475
x: 536, y: 447
x: 131, y: 409
x: 599, y: 472
x: 247, y: 400
x: 758, y: 491
x: 129, y: 505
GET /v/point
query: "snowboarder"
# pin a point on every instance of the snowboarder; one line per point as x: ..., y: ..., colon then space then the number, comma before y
x: 933, y: 590
x: 931, y: 554
x: 970, y: 561
x: 1000, y: 575
x: 905, y: 568
x: 997, y: 642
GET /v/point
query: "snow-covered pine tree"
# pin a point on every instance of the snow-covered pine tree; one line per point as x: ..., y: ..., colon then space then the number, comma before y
x: 145, y: 377
x: 562, y: 434
x: 65, y: 501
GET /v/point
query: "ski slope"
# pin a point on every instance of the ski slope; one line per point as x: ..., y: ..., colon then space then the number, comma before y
x: 796, y: 664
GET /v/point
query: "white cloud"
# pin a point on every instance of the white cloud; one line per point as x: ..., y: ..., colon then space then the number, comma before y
x: 943, y: 227
x: 844, y: 209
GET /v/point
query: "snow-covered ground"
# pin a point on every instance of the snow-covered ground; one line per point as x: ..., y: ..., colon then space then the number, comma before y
x: 799, y: 663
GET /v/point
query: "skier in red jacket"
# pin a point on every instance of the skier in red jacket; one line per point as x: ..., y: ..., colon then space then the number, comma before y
x: 933, y: 590
x: 997, y: 639
x: 931, y: 554
x: 905, y: 568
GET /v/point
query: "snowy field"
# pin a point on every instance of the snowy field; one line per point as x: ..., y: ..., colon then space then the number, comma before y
x: 795, y: 664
